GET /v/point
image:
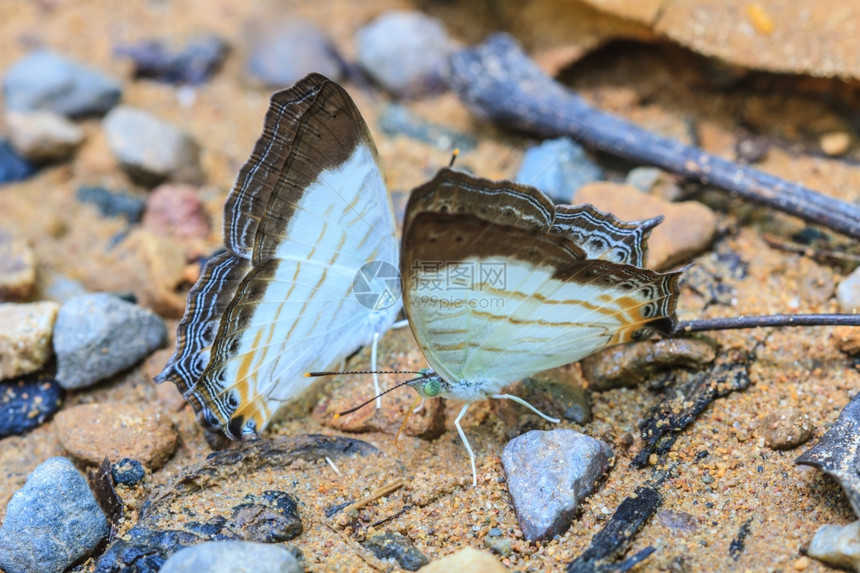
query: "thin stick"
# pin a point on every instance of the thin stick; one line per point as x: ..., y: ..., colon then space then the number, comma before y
x: 374, y: 495
x: 781, y: 320
x: 498, y: 81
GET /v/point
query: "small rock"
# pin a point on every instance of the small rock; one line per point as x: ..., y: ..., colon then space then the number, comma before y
x: 405, y: 52
x: 43, y: 136
x: 786, y: 429
x: 52, y: 522
x: 751, y: 149
x: 396, y: 548
x: 113, y: 203
x: 144, y: 550
x: 629, y: 365
x: 230, y: 557
x: 91, y: 432
x: 688, y: 228
x: 467, y: 559
x: 176, y: 211
x: 194, y: 64
x: 151, y: 150
x: 500, y: 546
x: 268, y: 518
x: 548, y: 476
x: 678, y: 521
x: 25, y: 337
x: 397, y: 120
x: 558, y: 167
x: 17, y: 268
x: 13, y: 167
x: 837, y: 546
x: 283, y: 50
x: 654, y: 181
x: 847, y: 339
x: 98, y: 335
x: 26, y: 405
x: 835, y: 143
x: 127, y: 471
x: 848, y: 293
x: 47, y: 81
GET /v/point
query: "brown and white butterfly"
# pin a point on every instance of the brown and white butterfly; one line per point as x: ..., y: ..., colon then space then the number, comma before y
x: 499, y: 284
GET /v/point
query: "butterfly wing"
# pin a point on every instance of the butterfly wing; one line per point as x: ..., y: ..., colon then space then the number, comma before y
x: 309, y: 209
x: 532, y: 294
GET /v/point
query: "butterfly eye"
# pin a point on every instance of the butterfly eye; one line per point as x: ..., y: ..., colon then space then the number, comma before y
x: 431, y: 388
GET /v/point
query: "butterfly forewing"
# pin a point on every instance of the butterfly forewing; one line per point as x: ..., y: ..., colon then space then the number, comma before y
x: 309, y: 208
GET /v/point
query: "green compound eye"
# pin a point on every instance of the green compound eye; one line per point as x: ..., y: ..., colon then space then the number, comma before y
x: 432, y: 388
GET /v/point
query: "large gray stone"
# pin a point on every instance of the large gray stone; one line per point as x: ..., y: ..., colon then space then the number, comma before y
x: 549, y: 474
x: 52, y: 522
x: 231, y: 557
x: 98, y: 335
x: 45, y: 81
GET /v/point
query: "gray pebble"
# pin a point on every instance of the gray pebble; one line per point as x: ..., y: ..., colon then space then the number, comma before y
x: 43, y: 136
x: 281, y: 51
x: 232, y: 557
x: 52, y: 522
x: 13, y: 167
x: 548, y: 476
x: 44, y: 80
x: 98, y: 335
x: 406, y: 53
x: 151, y: 150
x: 398, y: 120
x: 837, y: 546
x: 397, y: 548
x: 558, y: 167
x: 848, y: 292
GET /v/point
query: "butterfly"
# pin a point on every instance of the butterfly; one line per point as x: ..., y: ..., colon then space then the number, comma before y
x: 499, y: 284
x: 309, y: 272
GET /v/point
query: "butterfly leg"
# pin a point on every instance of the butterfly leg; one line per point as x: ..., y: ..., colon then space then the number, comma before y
x: 400, y: 324
x: 420, y: 406
x: 522, y: 402
x: 466, y: 442
x: 373, y: 368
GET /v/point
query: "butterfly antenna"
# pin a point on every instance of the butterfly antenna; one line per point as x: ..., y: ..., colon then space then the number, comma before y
x: 454, y: 155
x: 336, y: 372
x: 365, y: 403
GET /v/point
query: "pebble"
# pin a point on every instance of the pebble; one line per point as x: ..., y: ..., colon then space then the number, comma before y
x: 144, y: 550
x: 396, y: 548
x: 25, y: 405
x: 558, y: 167
x: 98, y: 335
x: 405, y: 52
x: 688, y: 227
x: 629, y: 365
x: 113, y: 203
x: 837, y: 546
x: 548, y: 476
x: 786, y: 428
x: 44, y: 80
x: 232, y: 556
x: 176, y: 211
x: 467, y: 559
x: 25, y: 336
x: 17, y: 268
x: 127, y: 471
x: 847, y: 339
x: 13, y: 167
x: 848, y: 293
x: 151, y: 150
x: 500, y: 546
x: 283, y: 50
x: 89, y: 432
x: 835, y: 143
x: 194, y: 64
x: 52, y: 522
x: 43, y: 136
x: 268, y: 518
x: 654, y: 181
x: 395, y: 119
